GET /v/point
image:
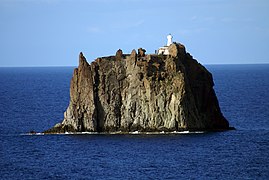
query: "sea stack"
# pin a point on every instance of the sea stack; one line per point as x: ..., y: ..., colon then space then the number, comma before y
x: 141, y: 92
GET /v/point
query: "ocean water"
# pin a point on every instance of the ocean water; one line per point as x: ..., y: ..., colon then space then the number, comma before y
x: 35, y: 99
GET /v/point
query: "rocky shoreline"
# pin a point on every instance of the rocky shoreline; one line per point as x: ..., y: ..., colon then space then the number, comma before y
x: 119, y: 133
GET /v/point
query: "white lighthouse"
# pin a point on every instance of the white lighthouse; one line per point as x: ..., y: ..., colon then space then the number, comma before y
x: 164, y: 50
x: 169, y: 39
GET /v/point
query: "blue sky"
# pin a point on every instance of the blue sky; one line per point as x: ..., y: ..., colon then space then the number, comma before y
x: 53, y: 32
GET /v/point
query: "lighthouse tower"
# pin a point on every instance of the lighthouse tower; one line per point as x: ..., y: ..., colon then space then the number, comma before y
x: 169, y: 39
x: 164, y: 50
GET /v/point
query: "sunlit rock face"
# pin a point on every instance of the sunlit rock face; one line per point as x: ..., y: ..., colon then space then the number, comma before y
x: 142, y: 92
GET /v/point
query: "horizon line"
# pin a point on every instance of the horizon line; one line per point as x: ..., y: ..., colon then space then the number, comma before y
x: 52, y: 66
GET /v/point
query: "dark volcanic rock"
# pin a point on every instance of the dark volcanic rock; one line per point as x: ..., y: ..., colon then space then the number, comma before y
x: 119, y: 55
x: 141, y: 52
x: 153, y: 93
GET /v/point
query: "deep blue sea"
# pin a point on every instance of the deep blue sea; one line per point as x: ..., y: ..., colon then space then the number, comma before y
x: 35, y: 99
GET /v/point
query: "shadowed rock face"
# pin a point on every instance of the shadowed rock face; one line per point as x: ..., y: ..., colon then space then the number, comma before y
x: 139, y: 92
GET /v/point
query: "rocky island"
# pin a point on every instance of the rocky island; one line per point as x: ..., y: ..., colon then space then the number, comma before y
x: 138, y: 92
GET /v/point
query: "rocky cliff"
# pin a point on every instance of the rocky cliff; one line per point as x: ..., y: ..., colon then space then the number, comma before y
x: 139, y: 92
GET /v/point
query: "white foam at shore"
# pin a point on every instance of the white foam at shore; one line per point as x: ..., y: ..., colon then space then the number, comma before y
x: 118, y: 132
x: 30, y: 134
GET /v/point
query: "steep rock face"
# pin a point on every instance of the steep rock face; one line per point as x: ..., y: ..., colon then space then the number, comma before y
x: 140, y: 92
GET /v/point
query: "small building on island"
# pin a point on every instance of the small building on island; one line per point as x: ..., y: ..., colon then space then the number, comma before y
x: 164, y: 50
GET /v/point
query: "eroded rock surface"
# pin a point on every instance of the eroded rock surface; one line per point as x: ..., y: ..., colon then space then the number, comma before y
x: 140, y: 92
